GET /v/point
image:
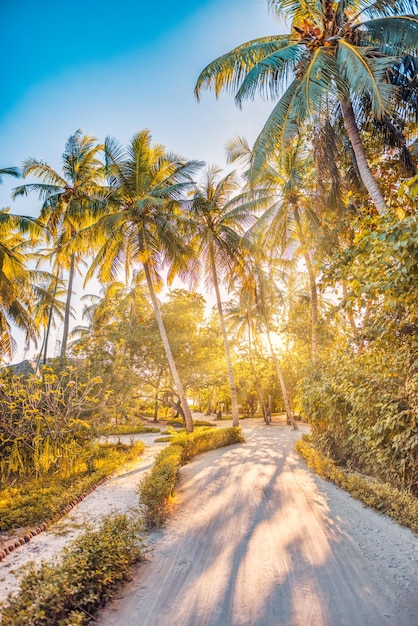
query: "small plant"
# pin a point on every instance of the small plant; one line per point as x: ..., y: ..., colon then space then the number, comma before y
x: 69, y: 592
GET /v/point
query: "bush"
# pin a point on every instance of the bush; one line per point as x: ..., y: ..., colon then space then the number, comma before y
x: 157, y: 487
x: 70, y: 592
x: 383, y: 497
x: 29, y: 502
x: 125, y: 429
x: 363, y: 410
x: 44, y: 421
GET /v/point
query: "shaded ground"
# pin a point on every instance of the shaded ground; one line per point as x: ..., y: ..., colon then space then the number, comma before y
x: 258, y: 540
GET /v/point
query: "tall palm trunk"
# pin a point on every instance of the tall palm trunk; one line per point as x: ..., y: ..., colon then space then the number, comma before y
x: 232, y: 386
x: 187, y: 414
x: 157, y: 391
x: 281, y: 381
x: 312, y: 285
x: 361, y: 159
x: 44, y: 348
x: 68, y: 308
x: 257, y: 383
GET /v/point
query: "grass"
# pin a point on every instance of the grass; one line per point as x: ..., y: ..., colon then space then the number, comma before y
x: 399, y: 504
x: 30, y: 502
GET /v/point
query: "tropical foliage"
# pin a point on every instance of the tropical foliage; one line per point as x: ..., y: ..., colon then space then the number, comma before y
x: 310, y: 254
x: 341, y: 59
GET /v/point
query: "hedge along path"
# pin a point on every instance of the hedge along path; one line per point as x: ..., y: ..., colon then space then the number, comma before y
x: 118, y: 494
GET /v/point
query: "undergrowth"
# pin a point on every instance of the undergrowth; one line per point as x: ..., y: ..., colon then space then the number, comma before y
x: 399, y: 504
x: 68, y: 593
x: 29, y: 502
x: 126, y: 429
x: 156, y: 488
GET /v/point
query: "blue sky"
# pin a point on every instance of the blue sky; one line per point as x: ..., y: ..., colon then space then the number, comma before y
x: 116, y: 68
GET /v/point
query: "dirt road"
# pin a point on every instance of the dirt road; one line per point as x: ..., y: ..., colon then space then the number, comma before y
x: 258, y: 540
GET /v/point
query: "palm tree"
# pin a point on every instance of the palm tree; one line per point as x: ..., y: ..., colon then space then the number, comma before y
x: 70, y: 201
x: 46, y: 306
x: 333, y: 60
x: 283, y: 186
x: 219, y: 220
x: 142, y: 226
x: 243, y: 321
x: 17, y: 235
x: 266, y: 294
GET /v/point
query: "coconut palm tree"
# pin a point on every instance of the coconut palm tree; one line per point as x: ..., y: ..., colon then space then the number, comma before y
x: 147, y: 186
x: 17, y: 235
x: 71, y: 200
x: 288, y: 211
x: 244, y: 323
x: 46, y: 307
x: 266, y: 295
x: 337, y: 58
x: 218, y: 220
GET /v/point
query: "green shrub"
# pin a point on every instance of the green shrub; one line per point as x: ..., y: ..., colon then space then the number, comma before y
x: 29, y: 502
x: 69, y: 593
x: 363, y: 410
x: 157, y: 487
x: 125, y: 429
x: 399, y: 504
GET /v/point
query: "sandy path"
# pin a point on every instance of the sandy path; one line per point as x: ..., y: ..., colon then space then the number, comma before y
x: 118, y: 494
x: 258, y: 540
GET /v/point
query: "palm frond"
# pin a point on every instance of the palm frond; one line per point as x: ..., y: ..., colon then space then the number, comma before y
x: 229, y: 70
x: 9, y: 171
x: 281, y: 126
x: 270, y: 76
x: 395, y: 35
x: 366, y: 72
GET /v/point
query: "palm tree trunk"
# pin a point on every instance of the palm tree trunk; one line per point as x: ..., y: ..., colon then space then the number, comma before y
x: 187, y: 414
x: 67, y: 309
x: 361, y: 159
x: 282, y: 383
x: 312, y: 284
x: 254, y: 373
x: 232, y: 386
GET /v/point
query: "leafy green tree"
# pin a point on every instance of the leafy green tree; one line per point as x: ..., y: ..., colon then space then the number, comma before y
x: 71, y: 200
x: 147, y: 186
x: 333, y: 61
